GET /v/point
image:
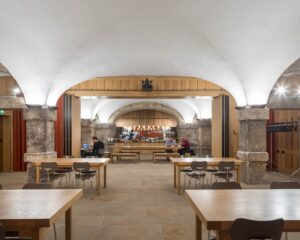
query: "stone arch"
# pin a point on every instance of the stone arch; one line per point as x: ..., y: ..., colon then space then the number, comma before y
x: 142, y: 106
x: 290, y: 80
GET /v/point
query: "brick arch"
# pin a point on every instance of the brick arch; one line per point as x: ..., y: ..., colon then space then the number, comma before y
x: 144, y: 106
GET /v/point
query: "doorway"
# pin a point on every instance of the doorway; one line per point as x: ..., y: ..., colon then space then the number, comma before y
x: 6, y: 142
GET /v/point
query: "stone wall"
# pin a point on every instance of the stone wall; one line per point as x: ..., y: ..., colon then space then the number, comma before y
x: 12, y: 102
x: 87, y: 130
x: 199, y: 135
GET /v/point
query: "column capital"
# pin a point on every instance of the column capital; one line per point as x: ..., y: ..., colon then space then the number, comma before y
x: 39, y: 113
x: 253, y: 113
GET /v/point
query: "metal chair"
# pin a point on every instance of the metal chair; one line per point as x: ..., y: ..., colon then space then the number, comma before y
x: 224, y: 168
x: 52, y: 172
x: 284, y: 185
x: 40, y: 186
x: 226, y: 185
x: 197, y: 172
x: 245, y: 229
x: 83, y: 172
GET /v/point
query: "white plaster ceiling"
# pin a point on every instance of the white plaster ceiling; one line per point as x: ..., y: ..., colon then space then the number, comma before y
x: 243, y: 46
x: 104, y: 108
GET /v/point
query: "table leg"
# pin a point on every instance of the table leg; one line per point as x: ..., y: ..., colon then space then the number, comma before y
x: 178, y: 180
x: 36, y: 234
x: 223, y: 235
x: 98, y: 180
x: 104, y: 176
x: 174, y: 175
x: 198, y: 233
x: 238, y: 172
x: 37, y: 174
x: 68, y: 223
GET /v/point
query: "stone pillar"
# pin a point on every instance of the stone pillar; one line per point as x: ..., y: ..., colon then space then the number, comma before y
x: 39, y: 135
x: 252, y: 144
x: 205, y: 137
x: 199, y: 135
x: 103, y: 131
x: 87, y: 130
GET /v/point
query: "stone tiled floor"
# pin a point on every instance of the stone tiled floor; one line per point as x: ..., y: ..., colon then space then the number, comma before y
x: 138, y: 204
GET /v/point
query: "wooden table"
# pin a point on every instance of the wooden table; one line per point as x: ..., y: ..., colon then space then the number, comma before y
x: 217, y: 209
x: 96, y: 163
x: 31, y: 211
x: 180, y: 163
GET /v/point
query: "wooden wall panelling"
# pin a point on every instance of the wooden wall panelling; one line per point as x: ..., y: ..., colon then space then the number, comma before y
x: 146, y: 117
x: 7, y: 84
x: 286, y: 144
x: 19, y: 141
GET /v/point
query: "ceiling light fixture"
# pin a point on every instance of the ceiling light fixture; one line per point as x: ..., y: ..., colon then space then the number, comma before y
x: 281, y: 90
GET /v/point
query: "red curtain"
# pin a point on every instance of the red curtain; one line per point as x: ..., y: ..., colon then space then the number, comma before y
x: 59, y: 128
x: 19, y: 141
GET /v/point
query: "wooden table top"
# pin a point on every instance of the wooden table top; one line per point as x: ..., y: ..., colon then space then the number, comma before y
x: 208, y: 160
x: 217, y: 209
x: 44, y: 206
x: 70, y: 161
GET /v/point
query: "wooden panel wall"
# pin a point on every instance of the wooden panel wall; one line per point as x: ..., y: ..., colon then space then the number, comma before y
x: 146, y: 117
x: 286, y: 144
x: 76, y: 127
x: 19, y: 141
x: 135, y: 83
x: 7, y: 84
x: 131, y: 87
x: 217, y: 128
x: 6, y: 164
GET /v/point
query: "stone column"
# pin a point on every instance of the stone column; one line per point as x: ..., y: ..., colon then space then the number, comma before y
x: 199, y: 135
x: 103, y: 131
x: 39, y: 135
x: 87, y: 130
x: 252, y: 143
x: 205, y: 137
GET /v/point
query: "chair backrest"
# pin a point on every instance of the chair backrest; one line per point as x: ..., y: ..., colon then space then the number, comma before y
x: 1, y: 186
x: 49, y: 165
x: 225, y: 166
x: 37, y: 186
x: 245, y: 229
x: 2, y: 232
x: 81, y: 166
x: 199, y: 166
x: 226, y: 185
x: 285, y: 185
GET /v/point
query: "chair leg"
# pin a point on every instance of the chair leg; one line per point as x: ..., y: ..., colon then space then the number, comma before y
x: 55, y: 233
x: 184, y: 179
x: 286, y: 236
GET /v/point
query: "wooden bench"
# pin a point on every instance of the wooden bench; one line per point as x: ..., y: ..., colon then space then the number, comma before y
x: 128, y: 151
x: 165, y: 155
x: 119, y: 156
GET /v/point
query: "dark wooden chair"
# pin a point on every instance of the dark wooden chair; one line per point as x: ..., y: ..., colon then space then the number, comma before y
x: 284, y: 185
x: 245, y: 229
x: 226, y: 185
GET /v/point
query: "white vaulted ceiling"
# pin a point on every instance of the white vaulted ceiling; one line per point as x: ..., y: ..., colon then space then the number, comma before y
x: 187, y: 108
x: 241, y: 45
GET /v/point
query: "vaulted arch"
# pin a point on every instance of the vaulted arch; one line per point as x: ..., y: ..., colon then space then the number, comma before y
x: 145, y: 106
